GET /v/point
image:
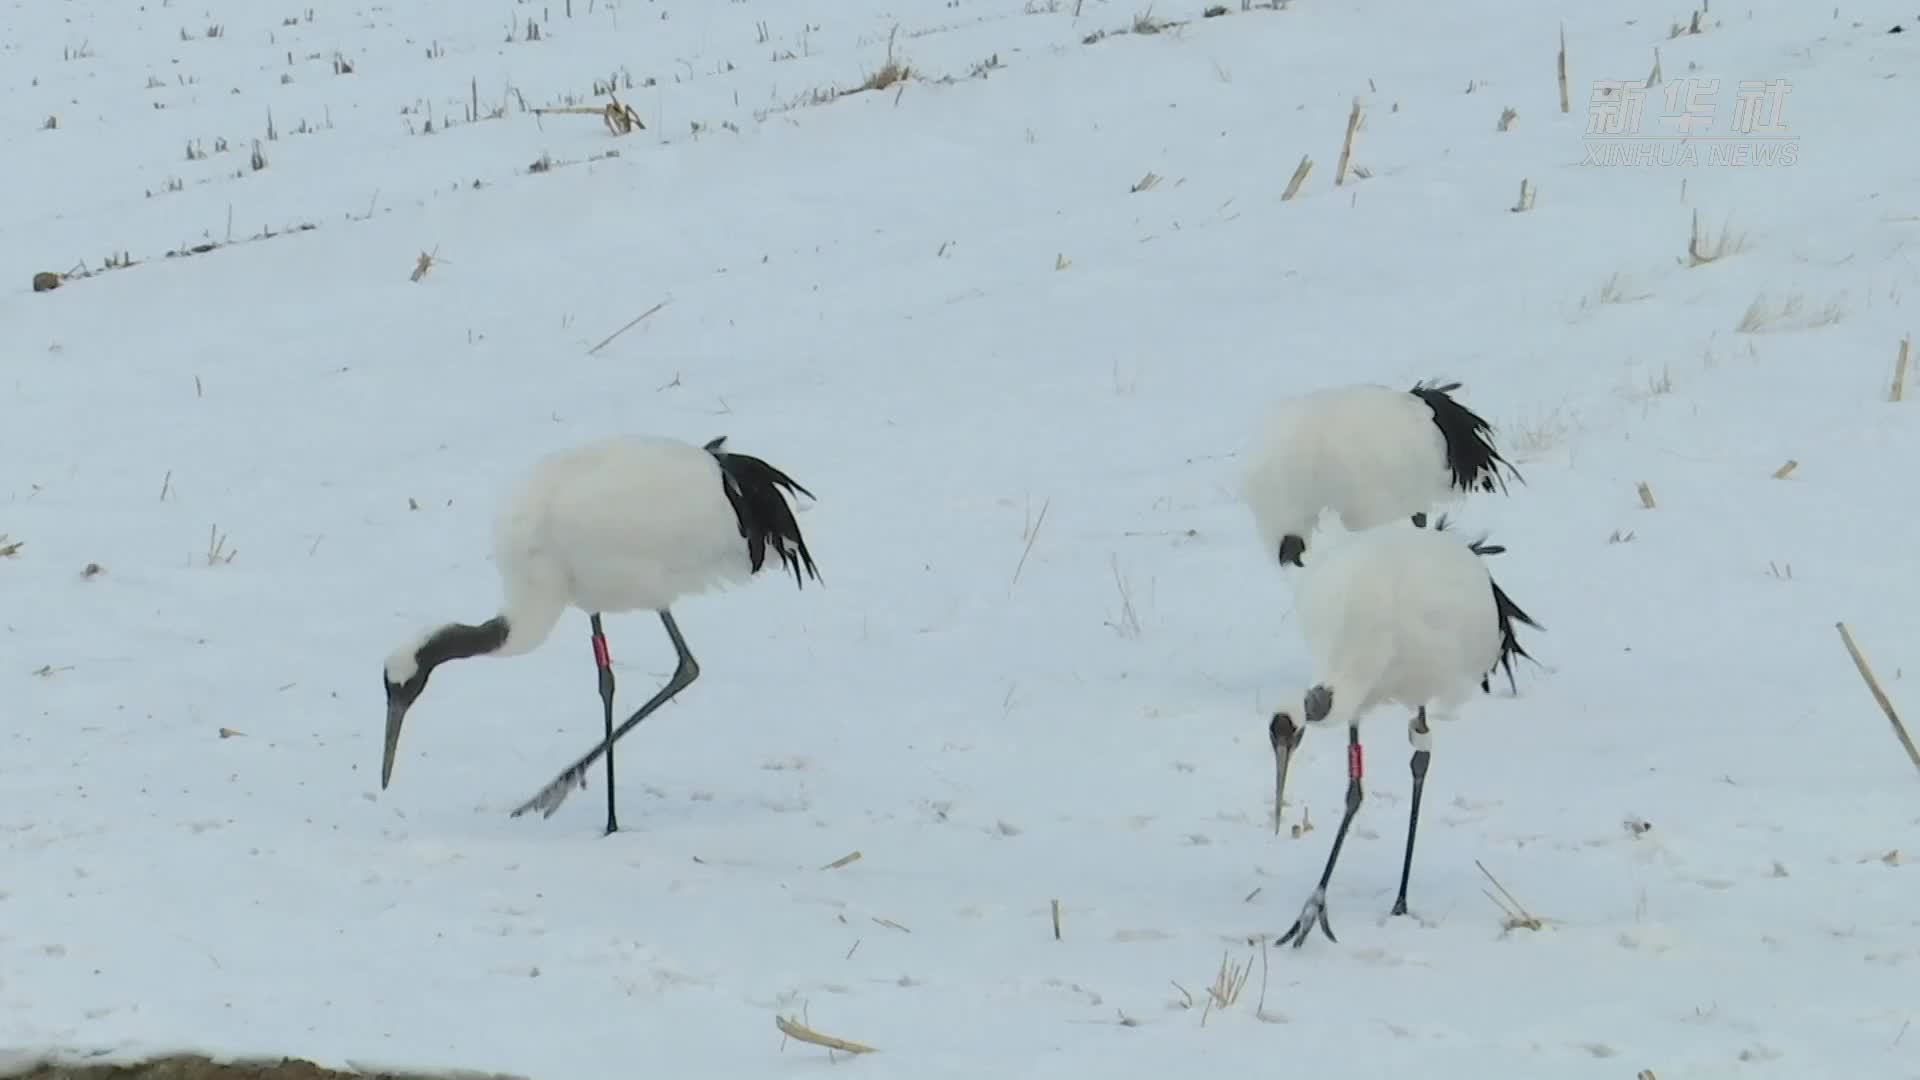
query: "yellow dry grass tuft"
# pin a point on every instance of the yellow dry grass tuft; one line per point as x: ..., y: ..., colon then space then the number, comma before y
x: 1766, y: 315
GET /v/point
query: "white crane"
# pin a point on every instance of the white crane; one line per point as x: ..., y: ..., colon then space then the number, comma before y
x: 1371, y: 454
x: 630, y: 523
x: 1392, y: 615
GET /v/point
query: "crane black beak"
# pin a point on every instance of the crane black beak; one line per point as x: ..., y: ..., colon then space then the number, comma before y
x: 1291, y: 549
x: 396, y: 714
x: 1285, y: 735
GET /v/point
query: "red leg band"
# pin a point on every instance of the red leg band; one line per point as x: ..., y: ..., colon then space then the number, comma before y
x: 1356, y: 765
x: 600, y: 654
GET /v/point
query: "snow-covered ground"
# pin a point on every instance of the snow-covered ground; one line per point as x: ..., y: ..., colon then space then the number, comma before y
x: 1017, y: 373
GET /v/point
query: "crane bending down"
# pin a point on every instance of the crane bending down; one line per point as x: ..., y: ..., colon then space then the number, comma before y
x: 1369, y: 453
x: 1408, y: 616
x: 630, y: 523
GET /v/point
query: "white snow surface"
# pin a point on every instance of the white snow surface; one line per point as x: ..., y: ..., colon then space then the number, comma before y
x: 1042, y: 658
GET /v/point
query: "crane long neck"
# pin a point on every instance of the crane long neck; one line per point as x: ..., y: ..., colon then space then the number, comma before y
x: 529, y: 618
x: 457, y: 641
x: 1350, y: 681
x: 535, y: 601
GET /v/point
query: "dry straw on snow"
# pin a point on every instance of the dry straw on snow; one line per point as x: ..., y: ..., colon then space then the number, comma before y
x: 1346, y: 147
x: 794, y: 1029
x: 1300, y: 172
x: 1517, y: 917
x: 1879, y: 695
x: 1565, y: 102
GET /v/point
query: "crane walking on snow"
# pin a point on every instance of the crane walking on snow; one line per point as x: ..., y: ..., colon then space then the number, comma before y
x: 1408, y: 616
x: 630, y: 523
x: 1371, y: 454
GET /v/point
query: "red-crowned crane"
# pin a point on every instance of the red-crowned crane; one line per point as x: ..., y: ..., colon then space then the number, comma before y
x: 1371, y: 454
x: 1392, y: 615
x: 629, y: 523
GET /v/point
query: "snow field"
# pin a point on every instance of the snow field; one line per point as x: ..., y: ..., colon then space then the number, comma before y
x: 943, y: 309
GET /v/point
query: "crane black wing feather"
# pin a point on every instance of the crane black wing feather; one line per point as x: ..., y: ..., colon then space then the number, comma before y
x: 1508, y: 613
x: 1471, y: 456
x: 1505, y: 610
x: 754, y: 489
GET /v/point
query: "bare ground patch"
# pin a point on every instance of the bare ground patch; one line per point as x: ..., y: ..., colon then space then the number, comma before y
x: 201, y: 1067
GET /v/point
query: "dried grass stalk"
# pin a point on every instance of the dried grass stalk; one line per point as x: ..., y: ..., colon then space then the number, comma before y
x: 421, y: 265
x: 635, y: 321
x: 1517, y: 916
x: 1565, y: 103
x: 1879, y: 695
x: 1346, y: 147
x: 848, y: 859
x: 1300, y: 172
x: 794, y: 1029
x: 1033, y: 534
x: 621, y: 119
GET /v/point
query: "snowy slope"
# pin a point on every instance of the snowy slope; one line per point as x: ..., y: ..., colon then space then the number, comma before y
x: 943, y: 308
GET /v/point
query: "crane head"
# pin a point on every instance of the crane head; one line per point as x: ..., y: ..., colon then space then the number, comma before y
x: 405, y: 679
x: 408, y: 667
x: 1285, y: 734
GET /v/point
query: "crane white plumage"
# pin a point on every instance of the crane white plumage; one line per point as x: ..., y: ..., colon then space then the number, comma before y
x: 629, y: 523
x: 1398, y: 615
x: 1371, y: 454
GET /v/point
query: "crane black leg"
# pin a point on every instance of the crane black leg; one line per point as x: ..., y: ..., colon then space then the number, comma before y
x: 1419, y: 521
x: 604, y: 661
x: 687, y: 670
x: 1315, y: 910
x: 1418, y: 734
